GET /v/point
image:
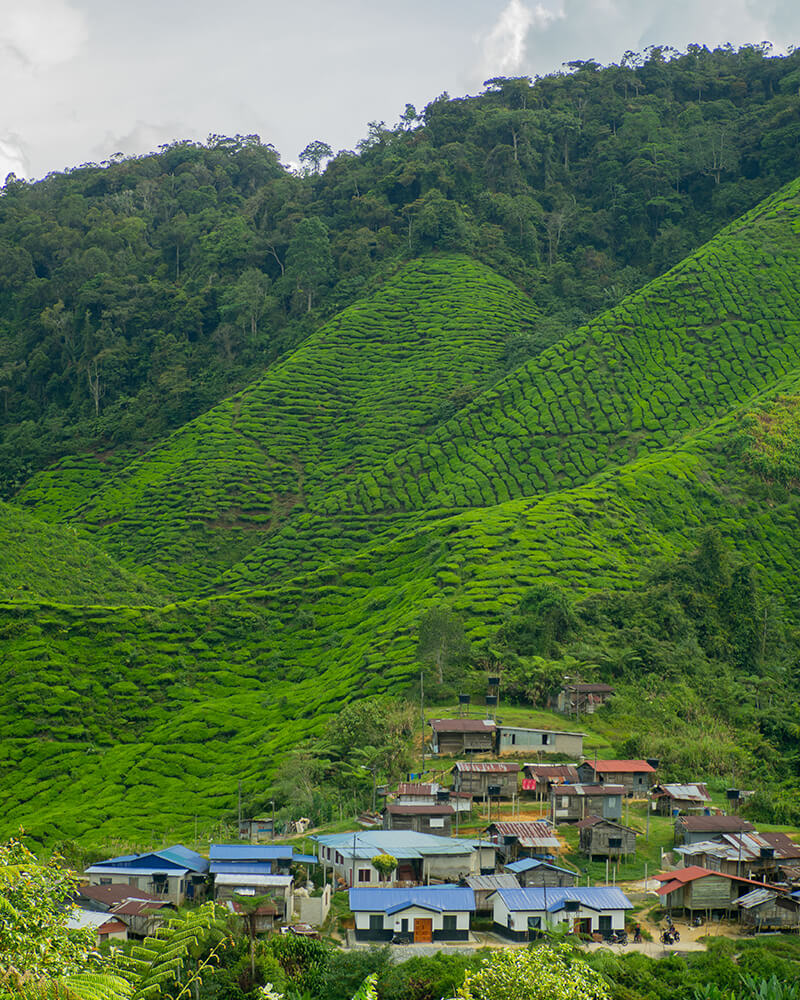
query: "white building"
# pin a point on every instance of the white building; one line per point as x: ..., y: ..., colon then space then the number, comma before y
x: 423, y: 914
x: 520, y: 914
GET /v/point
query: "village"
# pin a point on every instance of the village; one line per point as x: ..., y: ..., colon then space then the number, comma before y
x: 494, y: 843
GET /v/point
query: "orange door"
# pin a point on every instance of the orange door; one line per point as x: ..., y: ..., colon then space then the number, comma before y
x: 423, y: 930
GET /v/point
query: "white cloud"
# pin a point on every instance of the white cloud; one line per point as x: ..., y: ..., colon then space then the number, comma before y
x: 38, y: 34
x: 504, y: 48
x: 13, y: 158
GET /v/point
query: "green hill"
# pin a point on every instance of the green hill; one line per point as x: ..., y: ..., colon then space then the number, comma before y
x: 50, y: 562
x: 613, y: 451
x: 715, y: 331
x: 384, y: 372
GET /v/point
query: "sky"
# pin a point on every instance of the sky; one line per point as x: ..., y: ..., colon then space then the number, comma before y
x: 81, y: 80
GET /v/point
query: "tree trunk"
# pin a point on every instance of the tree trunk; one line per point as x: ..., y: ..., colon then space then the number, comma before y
x: 309, y: 301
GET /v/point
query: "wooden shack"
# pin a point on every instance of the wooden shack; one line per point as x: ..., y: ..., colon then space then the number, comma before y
x: 523, y: 838
x: 694, y: 829
x: 570, y: 803
x: 769, y: 910
x: 452, y: 737
x: 485, y: 885
x: 671, y: 799
x: 603, y: 838
x: 697, y: 890
x: 477, y: 777
x: 435, y: 819
x: 538, y: 779
x: 634, y: 775
x: 582, y: 699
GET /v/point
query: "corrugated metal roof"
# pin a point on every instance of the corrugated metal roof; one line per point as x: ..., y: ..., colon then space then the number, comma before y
x: 527, y: 729
x: 485, y: 767
x: 620, y: 766
x: 402, y: 809
x: 567, y: 772
x: 492, y: 882
x: 590, y: 688
x: 261, y: 881
x: 183, y: 856
x: 149, y: 870
x: 756, y: 898
x: 232, y: 868
x: 306, y: 859
x: 462, y: 726
x: 81, y: 919
x: 695, y: 792
x: 599, y: 897
x: 440, y: 897
x: 417, y: 788
x: 136, y: 907
x: 588, y: 790
x: 714, y: 824
x: 250, y: 852
x: 112, y: 894
x: 399, y: 843
x: 528, y: 864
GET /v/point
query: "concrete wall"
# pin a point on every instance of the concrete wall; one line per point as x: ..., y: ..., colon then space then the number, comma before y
x: 176, y: 887
x: 314, y: 909
x: 514, y: 740
x: 393, y: 924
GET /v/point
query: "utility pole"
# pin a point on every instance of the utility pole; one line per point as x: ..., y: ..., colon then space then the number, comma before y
x: 272, y: 828
x: 239, y: 834
x: 422, y: 716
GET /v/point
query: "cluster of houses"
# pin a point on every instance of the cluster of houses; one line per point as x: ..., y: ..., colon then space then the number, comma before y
x: 410, y: 879
x: 128, y: 896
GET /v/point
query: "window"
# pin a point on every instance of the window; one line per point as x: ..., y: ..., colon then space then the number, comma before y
x: 545, y: 739
x: 376, y: 921
x: 105, y: 881
x: 364, y: 875
x: 534, y: 923
x: 565, y: 801
x: 449, y: 922
x: 604, y: 923
x: 436, y: 822
x: 513, y: 738
x: 615, y: 841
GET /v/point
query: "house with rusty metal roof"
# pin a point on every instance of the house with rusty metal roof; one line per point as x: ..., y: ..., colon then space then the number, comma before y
x: 539, y: 778
x: 452, y: 737
x: 756, y: 855
x: 436, y: 819
x: 571, y: 803
x: 673, y: 799
x: 418, y: 793
x: 498, y: 779
x: 635, y: 775
x: 712, y: 826
x: 523, y: 839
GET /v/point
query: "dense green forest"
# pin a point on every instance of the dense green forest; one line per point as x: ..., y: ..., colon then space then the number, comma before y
x: 137, y: 293
x: 529, y: 359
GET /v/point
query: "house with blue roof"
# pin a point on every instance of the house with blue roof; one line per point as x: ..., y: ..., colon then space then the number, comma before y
x: 420, y: 856
x: 266, y: 859
x: 536, y: 872
x: 522, y: 914
x: 423, y: 913
x: 173, y: 873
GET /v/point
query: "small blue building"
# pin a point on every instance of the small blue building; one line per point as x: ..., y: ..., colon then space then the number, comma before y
x: 424, y: 913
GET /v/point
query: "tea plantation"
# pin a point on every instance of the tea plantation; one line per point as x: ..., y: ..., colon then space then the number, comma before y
x: 344, y: 499
x: 380, y: 374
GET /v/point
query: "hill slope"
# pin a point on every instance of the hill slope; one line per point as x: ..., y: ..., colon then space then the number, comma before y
x: 718, y: 329
x: 134, y: 721
x: 50, y: 562
x: 382, y: 373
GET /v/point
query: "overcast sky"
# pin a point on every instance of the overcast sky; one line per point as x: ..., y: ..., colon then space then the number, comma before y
x: 82, y: 79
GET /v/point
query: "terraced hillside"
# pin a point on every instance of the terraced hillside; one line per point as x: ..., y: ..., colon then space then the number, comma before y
x: 382, y: 373
x: 50, y: 562
x: 129, y: 723
x: 718, y: 329
x: 672, y: 413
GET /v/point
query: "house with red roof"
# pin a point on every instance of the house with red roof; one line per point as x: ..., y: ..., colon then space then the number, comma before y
x: 635, y: 776
x: 698, y: 890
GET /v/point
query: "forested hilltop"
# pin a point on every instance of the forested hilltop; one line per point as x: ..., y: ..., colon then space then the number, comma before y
x: 525, y: 367
x: 137, y: 293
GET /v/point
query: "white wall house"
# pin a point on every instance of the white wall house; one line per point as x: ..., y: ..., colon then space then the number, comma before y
x: 424, y: 914
x: 520, y: 914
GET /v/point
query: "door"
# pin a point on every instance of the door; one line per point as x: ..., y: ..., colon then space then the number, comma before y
x: 423, y: 930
